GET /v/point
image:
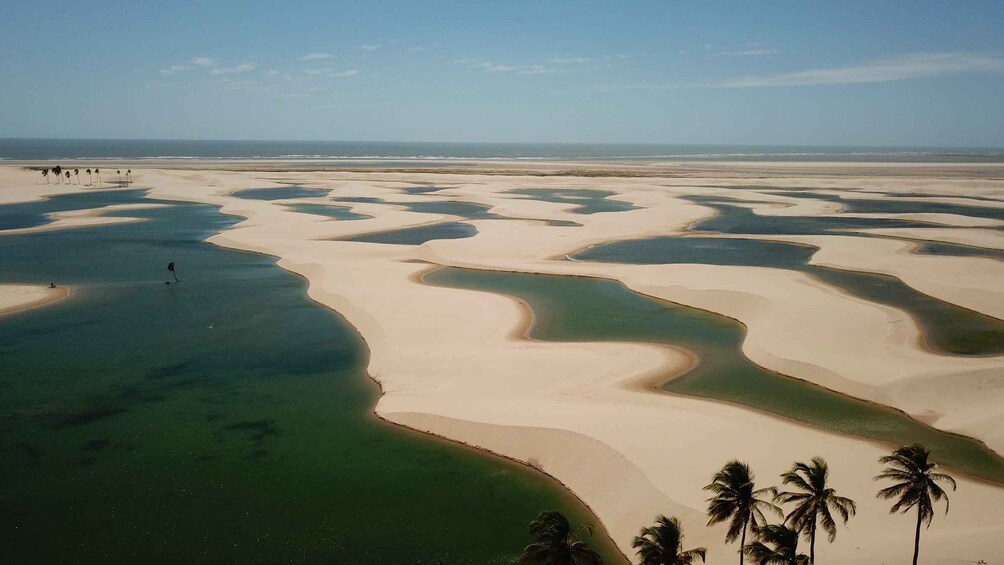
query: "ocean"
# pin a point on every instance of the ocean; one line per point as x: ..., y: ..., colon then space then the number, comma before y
x: 424, y: 152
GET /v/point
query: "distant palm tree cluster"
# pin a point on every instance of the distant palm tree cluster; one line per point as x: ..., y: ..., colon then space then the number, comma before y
x: 58, y: 173
x: 738, y: 503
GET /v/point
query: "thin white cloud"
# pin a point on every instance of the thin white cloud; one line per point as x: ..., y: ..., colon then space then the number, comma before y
x: 487, y: 67
x: 748, y: 53
x: 903, y: 67
x: 271, y: 73
x: 342, y: 74
x: 229, y: 84
x: 174, y: 69
x: 370, y: 46
x: 569, y: 60
x: 196, y: 62
x: 241, y: 68
x: 634, y: 86
x: 316, y: 56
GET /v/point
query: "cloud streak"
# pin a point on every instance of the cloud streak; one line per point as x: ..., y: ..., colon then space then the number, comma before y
x: 748, y: 53
x: 241, y: 68
x: 903, y: 67
x: 316, y: 56
x: 515, y: 69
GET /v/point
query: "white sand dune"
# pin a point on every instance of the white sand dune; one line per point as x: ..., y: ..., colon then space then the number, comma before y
x: 457, y: 363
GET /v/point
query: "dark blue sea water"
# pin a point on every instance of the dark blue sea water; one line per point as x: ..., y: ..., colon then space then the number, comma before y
x: 361, y: 152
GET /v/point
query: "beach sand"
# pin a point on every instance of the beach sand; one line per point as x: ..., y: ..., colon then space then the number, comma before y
x: 19, y: 297
x: 457, y: 363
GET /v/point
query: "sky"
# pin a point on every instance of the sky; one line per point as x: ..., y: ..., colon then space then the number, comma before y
x: 889, y: 73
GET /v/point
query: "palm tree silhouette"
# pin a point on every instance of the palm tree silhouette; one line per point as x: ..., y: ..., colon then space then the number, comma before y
x: 89, y: 181
x: 76, y: 173
x: 814, y: 503
x: 45, y: 173
x: 97, y: 172
x: 556, y: 544
x: 777, y: 545
x: 120, y: 176
x: 916, y: 484
x: 662, y: 544
x: 58, y: 171
x: 129, y: 176
x: 738, y: 501
x: 67, y: 177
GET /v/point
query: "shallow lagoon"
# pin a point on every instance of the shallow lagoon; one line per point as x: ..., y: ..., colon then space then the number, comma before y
x: 279, y: 193
x: 419, y: 235
x: 947, y: 327
x: 586, y: 200
x: 335, y: 212
x: 226, y: 418
x: 585, y: 309
x: 32, y: 214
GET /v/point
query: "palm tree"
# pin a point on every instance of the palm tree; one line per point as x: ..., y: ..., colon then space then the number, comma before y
x: 662, y: 544
x: 556, y: 544
x: 67, y: 177
x: 97, y: 173
x: 45, y: 173
x: 814, y: 503
x: 120, y: 176
x: 916, y: 484
x: 129, y: 176
x: 58, y: 171
x: 738, y: 501
x: 76, y: 173
x: 777, y: 545
x: 89, y: 181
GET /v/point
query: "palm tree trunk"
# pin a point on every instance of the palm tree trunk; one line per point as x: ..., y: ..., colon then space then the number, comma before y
x: 916, y: 539
x: 812, y: 544
x: 742, y: 544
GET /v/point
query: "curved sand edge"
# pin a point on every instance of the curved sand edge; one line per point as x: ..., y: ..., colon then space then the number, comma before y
x: 18, y: 298
x: 90, y: 217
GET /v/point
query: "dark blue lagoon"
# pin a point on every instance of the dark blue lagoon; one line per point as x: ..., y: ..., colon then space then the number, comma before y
x: 468, y: 210
x: 280, y: 193
x: 336, y: 212
x: 586, y: 200
x: 224, y: 419
x: 32, y: 214
x: 419, y: 235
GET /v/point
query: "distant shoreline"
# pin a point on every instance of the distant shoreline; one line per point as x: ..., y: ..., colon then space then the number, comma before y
x: 557, y: 168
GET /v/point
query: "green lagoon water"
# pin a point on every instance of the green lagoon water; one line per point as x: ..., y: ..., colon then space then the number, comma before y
x: 419, y: 235
x: 949, y: 328
x: 223, y: 419
x: 587, y: 200
x: 584, y: 309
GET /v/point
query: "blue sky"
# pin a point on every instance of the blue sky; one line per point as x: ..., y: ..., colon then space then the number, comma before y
x: 841, y: 73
